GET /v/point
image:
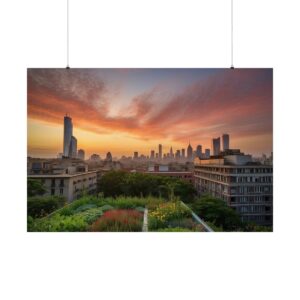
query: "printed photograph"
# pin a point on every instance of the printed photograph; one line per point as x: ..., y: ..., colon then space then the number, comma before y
x: 150, y: 150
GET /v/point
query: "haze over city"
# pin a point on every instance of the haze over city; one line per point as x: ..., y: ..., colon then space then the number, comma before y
x: 127, y: 110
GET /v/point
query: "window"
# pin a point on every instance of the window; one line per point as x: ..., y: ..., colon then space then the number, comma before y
x: 52, y: 182
x: 61, y: 191
x: 52, y: 192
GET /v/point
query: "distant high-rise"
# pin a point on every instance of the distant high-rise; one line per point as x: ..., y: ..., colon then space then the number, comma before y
x: 177, y: 155
x: 207, y: 153
x: 95, y: 157
x: 171, y: 152
x: 225, y: 141
x: 80, y: 154
x: 183, y: 153
x: 108, y: 156
x: 199, y: 151
x: 216, y: 146
x: 160, y: 151
x: 73, y: 147
x: 135, y: 155
x: 152, y: 154
x: 189, y: 151
x: 68, y: 132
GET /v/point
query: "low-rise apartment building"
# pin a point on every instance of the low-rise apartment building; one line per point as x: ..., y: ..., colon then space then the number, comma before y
x: 70, y: 186
x: 244, y: 185
x: 39, y: 166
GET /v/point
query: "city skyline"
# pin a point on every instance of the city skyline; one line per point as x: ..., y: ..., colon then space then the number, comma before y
x: 123, y: 111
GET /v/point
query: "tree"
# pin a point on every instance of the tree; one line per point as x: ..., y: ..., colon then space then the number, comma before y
x: 40, y: 206
x: 35, y: 187
x: 118, y: 183
x: 215, y: 210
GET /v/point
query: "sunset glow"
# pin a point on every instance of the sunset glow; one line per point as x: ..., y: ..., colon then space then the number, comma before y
x: 126, y: 110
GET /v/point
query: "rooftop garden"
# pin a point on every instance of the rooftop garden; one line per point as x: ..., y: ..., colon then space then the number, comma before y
x: 120, y: 214
x: 133, y: 202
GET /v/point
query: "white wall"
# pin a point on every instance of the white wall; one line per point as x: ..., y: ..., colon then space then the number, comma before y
x: 156, y: 33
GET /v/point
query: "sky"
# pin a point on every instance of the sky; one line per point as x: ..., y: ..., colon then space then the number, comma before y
x: 127, y: 110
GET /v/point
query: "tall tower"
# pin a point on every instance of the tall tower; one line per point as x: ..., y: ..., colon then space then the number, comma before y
x: 225, y: 141
x: 160, y: 151
x: 81, y: 154
x: 216, y: 146
x: 68, y: 132
x: 183, y: 153
x: 73, y: 147
x: 189, y: 151
x: 152, y: 155
x: 207, y: 153
x: 171, y: 152
x: 199, y: 151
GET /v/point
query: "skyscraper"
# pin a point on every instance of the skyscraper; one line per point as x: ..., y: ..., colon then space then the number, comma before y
x: 160, y: 151
x: 183, y: 153
x: 189, y: 151
x: 135, y: 155
x: 68, y: 132
x: 152, y: 154
x: 177, y: 155
x: 73, y: 147
x: 199, y: 151
x: 80, y: 154
x: 171, y: 152
x: 216, y: 146
x: 225, y: 141
x: 108, y: 157
x: 207, y: 153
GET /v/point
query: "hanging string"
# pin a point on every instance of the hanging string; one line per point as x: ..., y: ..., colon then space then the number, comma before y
x: 232, y: 67
x: 68, y: 34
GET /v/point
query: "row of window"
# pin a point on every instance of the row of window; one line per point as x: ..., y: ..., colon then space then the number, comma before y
x: 260, y: 218
x: 83, y: 180
x: 251, y: 189
x: 61, y: 192
x: 242, y: 170
x: 235, y: 179
x: 60, y: 181
x: 253, y: 209
x: 251, y: 199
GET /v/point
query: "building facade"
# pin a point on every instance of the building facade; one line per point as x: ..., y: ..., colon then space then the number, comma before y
x: 225, y: 141
x: 81, y: 154
x: 160, y: 151
x: 40, y: 166
x: 216, y: 146
x: 245, y: 186
x: 68, y: 132
x: 70, y: 186
x: 199, y: 151
x: 189, y: 152
x: 73, y: 147
x: 207, y: 153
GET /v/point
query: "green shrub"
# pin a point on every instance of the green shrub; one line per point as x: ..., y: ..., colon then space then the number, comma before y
x: 58, y: 223
x: 40, y: 206
x: 166, y: 212
x: 84, y: 207
x: 175, y: 229
x: 91, y: 215
x: 35, y: 187
x: 106, y: 207
x: 116, y: 183
x: 216, y: 211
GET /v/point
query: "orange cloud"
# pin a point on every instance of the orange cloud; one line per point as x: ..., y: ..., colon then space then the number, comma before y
x: 235, y: 101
